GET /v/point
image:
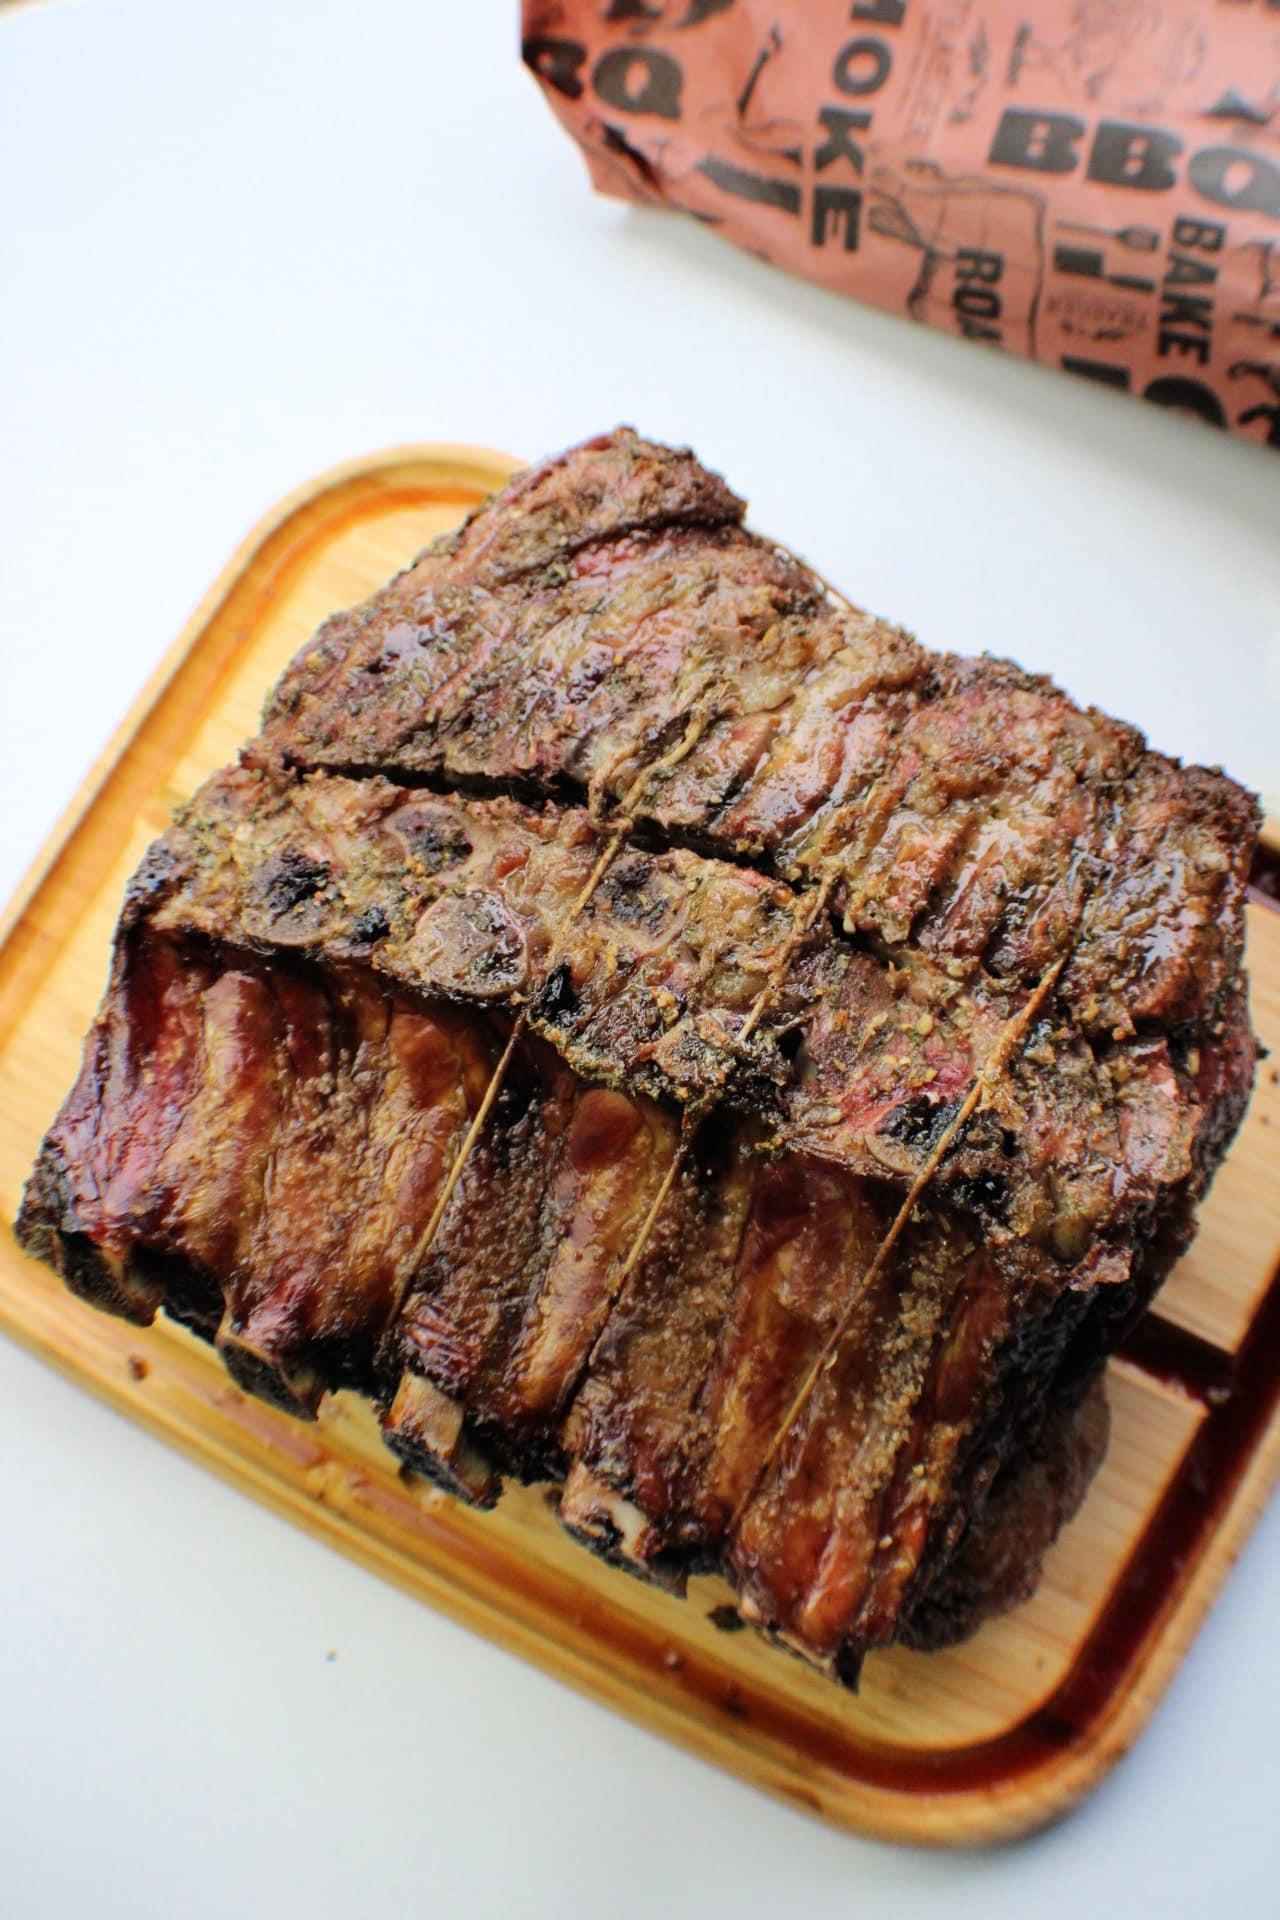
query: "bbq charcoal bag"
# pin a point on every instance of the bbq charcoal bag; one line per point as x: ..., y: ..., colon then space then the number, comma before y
x: 1094, y: 184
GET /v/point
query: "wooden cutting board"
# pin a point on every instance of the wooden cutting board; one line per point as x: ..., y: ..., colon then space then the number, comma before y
x: 980, y: 1743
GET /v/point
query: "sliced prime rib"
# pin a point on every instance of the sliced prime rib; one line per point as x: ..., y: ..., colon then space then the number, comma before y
x: 645, y: 1024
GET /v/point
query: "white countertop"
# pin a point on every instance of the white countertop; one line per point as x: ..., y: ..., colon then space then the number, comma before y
x: 239, y: 243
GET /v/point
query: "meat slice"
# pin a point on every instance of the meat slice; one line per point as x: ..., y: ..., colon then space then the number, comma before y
x: 647, y: 1024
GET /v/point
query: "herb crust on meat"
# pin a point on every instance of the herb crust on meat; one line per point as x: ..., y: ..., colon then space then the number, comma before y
x: 646, y: 1023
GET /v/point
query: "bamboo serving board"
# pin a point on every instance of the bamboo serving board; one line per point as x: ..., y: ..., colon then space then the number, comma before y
x: 981, y: 1743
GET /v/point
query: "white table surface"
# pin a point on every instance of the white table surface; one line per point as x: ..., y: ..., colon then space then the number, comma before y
x: 241, y: 242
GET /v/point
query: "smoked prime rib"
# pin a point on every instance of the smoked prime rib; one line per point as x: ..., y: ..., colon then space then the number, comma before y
x: 648, y: 1025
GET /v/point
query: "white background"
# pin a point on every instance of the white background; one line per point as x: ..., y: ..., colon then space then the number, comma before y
x: 242, y: 241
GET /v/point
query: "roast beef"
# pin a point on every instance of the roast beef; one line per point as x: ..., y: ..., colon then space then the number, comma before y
x: 648, y: 1025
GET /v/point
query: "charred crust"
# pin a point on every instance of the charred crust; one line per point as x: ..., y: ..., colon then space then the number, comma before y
x: 986, y: 1193
x: 47, y: 1207
x: 438, y: 846
x: 920, y: 1121
x: 294, y: 1390
x: 558, y: 999
x: 291, y: 879
x: 192, y: 1298
x: 372, y: 925
x: 419, y: 1460
x: 668, y: 1571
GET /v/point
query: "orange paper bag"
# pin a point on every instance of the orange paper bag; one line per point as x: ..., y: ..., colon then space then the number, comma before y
x: 1090, y: 183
